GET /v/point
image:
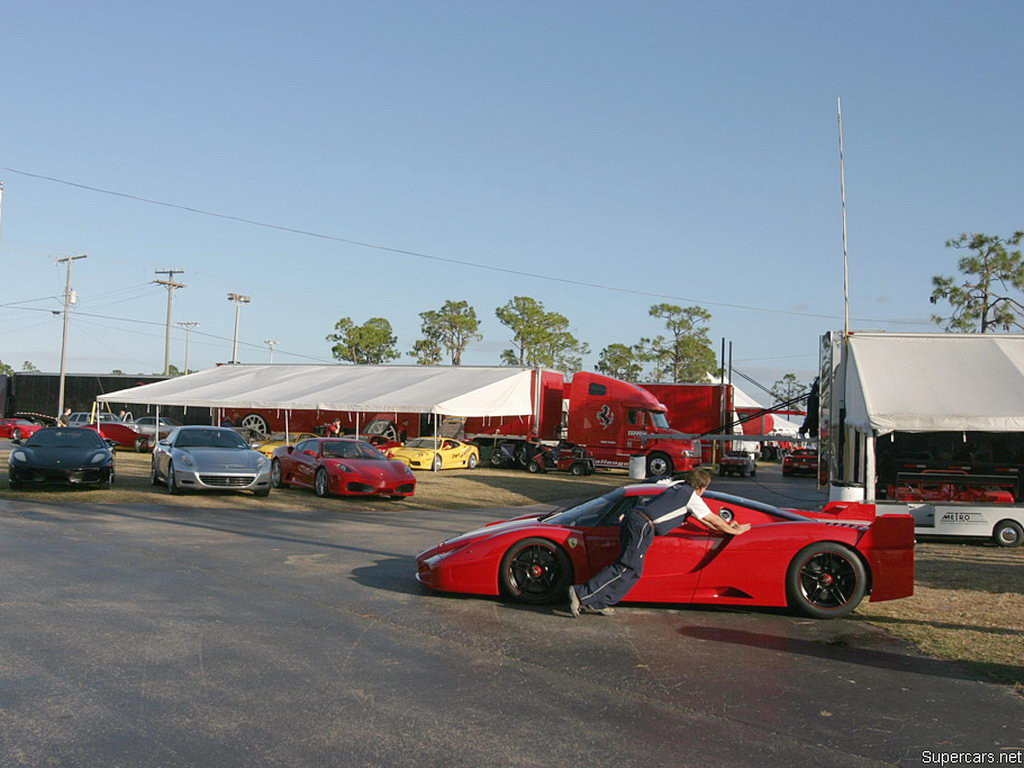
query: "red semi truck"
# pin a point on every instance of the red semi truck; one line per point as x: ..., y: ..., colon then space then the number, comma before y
x: 612, y: 419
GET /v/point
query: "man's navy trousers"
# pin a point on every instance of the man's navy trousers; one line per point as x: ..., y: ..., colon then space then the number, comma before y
x: 612, y: 583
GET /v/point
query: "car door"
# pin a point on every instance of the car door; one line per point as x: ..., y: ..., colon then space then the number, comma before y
x: 304, y: 458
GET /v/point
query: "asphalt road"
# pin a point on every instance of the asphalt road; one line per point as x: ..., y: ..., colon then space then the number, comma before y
x: 145, y: 636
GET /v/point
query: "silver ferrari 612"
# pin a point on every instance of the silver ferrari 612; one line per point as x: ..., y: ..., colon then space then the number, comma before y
x: 209, y: 458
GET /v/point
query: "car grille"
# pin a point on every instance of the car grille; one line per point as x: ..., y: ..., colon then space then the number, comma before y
x: 227, y: 481
x: 405, y: 488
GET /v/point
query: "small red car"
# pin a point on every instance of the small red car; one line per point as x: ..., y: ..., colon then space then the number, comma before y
x: 822, y: 564
x: 802, y: 460
x: 340, y: 465
x: 17, y: 429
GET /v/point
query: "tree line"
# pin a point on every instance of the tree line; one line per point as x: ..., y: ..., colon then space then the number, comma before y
x: 538, y: 337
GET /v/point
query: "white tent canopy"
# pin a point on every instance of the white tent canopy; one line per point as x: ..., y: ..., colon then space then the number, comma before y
x: 462, y: 391
x: 935, y: 382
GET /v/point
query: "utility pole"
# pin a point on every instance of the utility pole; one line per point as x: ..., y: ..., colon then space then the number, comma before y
x: 188, y: 326
x: 239, y: 300
x: 171, y: 285
x: 69, y: 299
x: 270, y: 345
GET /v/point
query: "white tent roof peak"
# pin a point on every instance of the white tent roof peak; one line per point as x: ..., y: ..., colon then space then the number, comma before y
x: 448, y: 390
x: 935, y: 382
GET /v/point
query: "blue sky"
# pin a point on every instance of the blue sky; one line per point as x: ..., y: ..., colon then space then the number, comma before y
x: 687, y: 150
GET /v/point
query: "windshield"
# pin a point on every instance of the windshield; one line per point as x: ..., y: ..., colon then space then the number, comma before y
x: 587, y: 513
x: 350, y: 449
x: 66, y: 438
x: 209, y: 438
x: 422, y: 442
x: 658, y: 419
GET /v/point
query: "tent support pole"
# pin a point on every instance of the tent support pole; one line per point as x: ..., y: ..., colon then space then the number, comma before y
x: 287, y: 439
x: 437, y: 445
x: 869, y: 466
x: 357, y: 425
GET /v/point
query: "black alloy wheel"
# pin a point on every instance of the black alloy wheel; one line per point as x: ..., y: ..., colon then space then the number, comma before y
x: 826, y: 580
x: 535, y: 571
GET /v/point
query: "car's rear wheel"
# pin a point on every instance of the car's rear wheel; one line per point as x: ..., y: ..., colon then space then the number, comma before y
x: 321, y: 486
x: 1008, y: 533
x: 535, y: 571
x: 826, y: 580
x: 275, y: 473
x: 172, y: 481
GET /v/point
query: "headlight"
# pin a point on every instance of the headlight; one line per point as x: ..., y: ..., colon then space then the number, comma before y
x: 99, y: 457
x: 186, y: 460
x: 345, y: 468
x: 19, y: 456
x: 263, y: 462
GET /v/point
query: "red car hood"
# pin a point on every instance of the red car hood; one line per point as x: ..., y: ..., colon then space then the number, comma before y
x: 491, y: 529
x: 369, y: 467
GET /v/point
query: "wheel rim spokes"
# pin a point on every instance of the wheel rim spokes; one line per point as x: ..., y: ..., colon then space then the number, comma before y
x: 533, y: 570
x: 828, y: 580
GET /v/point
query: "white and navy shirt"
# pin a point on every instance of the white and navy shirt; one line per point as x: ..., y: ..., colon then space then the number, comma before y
x: 672, y: 506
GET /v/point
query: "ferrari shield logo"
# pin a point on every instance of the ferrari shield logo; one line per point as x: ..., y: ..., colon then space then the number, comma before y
x: 572, y: 543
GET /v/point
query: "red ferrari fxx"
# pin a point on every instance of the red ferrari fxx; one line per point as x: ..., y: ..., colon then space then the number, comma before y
x: 340, y: 465
x: 822, y: 566
x: 16, y: 429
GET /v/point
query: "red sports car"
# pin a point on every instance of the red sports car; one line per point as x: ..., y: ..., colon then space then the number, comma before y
x: 340, y: 465
x: 821, y: 566
x: 801, y: 460
x: 16, y: 429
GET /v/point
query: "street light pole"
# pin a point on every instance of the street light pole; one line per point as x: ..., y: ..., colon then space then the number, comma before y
x: 68, y: 301
x: 239, y: 300
x: 270, y: 345
x: 188, y: 326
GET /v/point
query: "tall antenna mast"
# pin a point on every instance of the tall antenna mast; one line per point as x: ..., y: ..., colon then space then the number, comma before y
x: 842, y: 198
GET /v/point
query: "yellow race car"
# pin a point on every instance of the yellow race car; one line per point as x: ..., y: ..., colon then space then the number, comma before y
x: 267, y: 445
x: 439, y: 453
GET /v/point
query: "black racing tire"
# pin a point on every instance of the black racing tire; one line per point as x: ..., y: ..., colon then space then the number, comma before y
x: 577, y: 469
x: 256, y: 423
x: 533, y: 468
x: 171, y: 480
x: 659, y: 465
x: 826, y: 580
x: 154, y: 478
x: 276, y: 480
x: 471, y: 462
x: 1008, y: 533
x: 321, y: 484
x: 535, y: 571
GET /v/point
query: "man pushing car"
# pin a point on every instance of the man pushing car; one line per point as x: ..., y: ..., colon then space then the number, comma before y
x: 640, y: 525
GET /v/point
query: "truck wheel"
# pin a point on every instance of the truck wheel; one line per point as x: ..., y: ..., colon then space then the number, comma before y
x: 256, y: 423
x: 1008, y: 533
x: 659, y: 464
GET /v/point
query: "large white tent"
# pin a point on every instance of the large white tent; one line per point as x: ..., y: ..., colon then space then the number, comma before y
x: 935, y: 383
x: 461, y: 391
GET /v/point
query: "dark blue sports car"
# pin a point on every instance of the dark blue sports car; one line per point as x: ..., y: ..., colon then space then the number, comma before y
x: 62, y: 456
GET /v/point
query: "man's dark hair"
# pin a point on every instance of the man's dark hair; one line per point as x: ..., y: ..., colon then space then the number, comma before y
x: 698, y: 479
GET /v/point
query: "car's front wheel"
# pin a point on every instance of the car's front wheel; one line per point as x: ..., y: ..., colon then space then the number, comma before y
x: 535, y: 571
x: 437, y: 462
x: 172, y: 481
x: 154, y: 478
x: 275, y: 473
x: 471, y: 461
x: 826, y: 581
x: 321, y: 485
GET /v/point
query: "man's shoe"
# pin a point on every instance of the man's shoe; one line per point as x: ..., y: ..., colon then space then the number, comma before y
x: 599, y: 611
x: 574, y: 603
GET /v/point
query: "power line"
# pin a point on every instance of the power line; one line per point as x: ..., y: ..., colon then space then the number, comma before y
x: 432, y: 257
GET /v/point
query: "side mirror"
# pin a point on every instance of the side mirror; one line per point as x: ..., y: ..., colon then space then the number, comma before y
x: 164, y: 444
x: 110, y: 443
x: 291, y: 448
